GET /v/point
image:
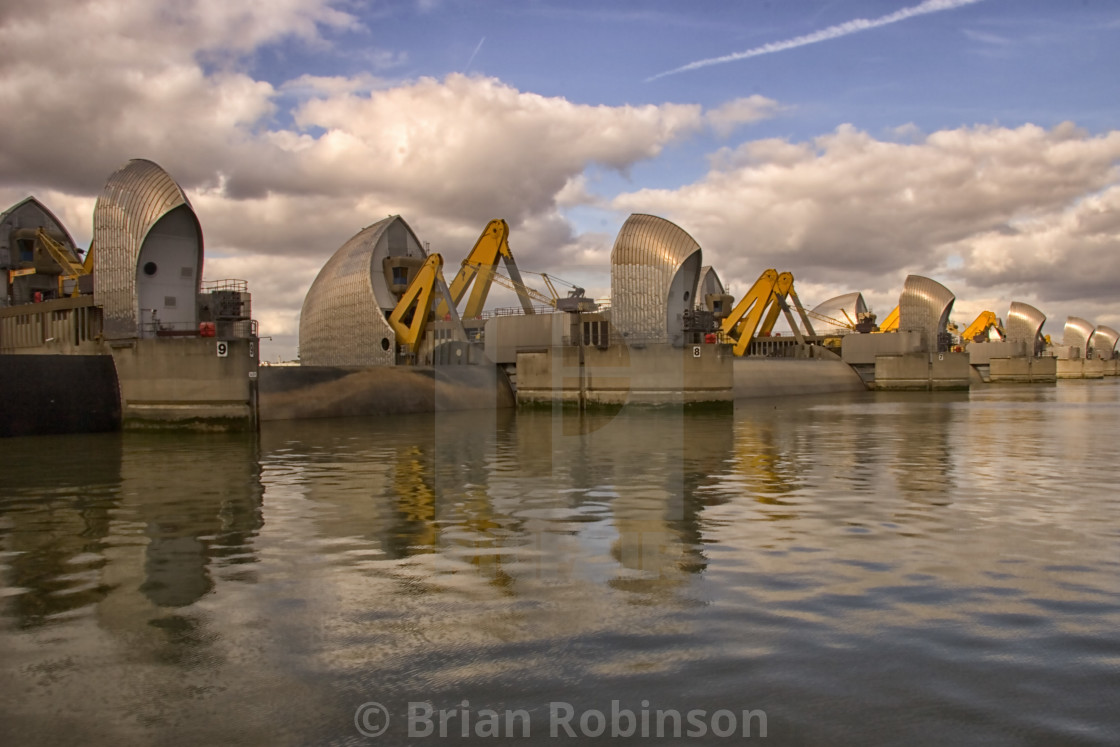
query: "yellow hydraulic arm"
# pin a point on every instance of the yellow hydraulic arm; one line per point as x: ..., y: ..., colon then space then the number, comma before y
x: 410, y: 316
x: 741, y: 323
x: 890, y: 324
x: 71, y: 268
x: 978, y: 330
x: 782, y: 288
x: 479, y: 266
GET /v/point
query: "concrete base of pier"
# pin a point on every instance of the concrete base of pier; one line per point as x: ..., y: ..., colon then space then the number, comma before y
x: 1023, y: 370
x: 1080, y: 368
x: 652, y: 374
x: 922, y: 372
x: 187, y: 383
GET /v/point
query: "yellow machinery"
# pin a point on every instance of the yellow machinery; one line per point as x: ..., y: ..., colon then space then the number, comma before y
x: 981, y: 327
x: 409, y: 318
x: 757, y: 312
x: 70, y: 269
x: 480, y: 268
x: 890, y: 324
x: 783, y: 288
x: 741, y: 323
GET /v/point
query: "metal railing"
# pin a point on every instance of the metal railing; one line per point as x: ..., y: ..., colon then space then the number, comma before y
x: 223, y: 330
x: 228, y: 284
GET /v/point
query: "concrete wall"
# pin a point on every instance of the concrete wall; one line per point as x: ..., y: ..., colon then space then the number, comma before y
x: 982, y: 353
x: 653, y: 374
x: 776, y: 377
x: 505, y: 335
x: 922, y: 371
x: 183, y: 382
x: 299, y: 392
x: 1081, y: 368
x: 858, y: 349
x: 1023, y: 370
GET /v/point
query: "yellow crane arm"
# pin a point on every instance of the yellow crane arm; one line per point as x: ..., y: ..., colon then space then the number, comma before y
x: 978, y: 330
x: 890, y: 324
x: 741, y: 323
x: 781, y: 289
x: 479, y: 266
x: 71, y: 267
x: 87, y: 264
x: 410, y: 316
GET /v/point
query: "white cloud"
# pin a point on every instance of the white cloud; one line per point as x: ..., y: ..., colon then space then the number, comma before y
x: 1028, y: 213
x: 724, y: 119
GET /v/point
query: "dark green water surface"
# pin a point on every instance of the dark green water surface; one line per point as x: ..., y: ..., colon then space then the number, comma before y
x: 858, y: 569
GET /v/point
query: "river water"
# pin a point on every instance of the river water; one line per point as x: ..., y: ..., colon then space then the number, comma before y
x: 853, y: 569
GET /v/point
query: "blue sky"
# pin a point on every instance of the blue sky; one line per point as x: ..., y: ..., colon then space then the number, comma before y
x: 974, y: 142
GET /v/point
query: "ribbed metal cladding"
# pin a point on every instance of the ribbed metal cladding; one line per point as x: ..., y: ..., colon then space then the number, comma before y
x: 1077, y: 334
x: 1104, y: 342
x: 132, y: 201
x: 648, y: 252
x: 342, y: 322
x: 846, y: 309
x: 925, y: 305
x: 1024, y: 323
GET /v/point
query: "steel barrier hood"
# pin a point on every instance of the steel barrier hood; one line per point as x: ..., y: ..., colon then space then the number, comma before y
x: 343, y: 322
x: 924, y: 306
x: 655, y: 270
x: 1077, y: 333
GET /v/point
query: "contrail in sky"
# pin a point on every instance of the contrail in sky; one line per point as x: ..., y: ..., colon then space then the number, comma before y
x: 832, y: 32
x: 475, y: 52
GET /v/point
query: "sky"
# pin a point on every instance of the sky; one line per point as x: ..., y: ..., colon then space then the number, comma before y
x: 850, y: 142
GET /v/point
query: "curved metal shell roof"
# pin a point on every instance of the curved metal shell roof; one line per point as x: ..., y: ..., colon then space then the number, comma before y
x: 30, y: 211
x: 1077, y: 333
x: 709, y: 283
x: 846, y: 308
x: 1024, y: 323
x: 133, y: 200
x: 1104, y: 341
x: 655, y: 267
x: 925, y: 305
x: 342, y: 322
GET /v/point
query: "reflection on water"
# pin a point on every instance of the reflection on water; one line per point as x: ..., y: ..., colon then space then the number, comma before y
x: 879, y: 568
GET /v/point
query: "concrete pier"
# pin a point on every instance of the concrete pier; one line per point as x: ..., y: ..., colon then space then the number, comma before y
x: 658, y: 374
x: 922, y: 371
x: 778, y: 377
x: 192, y: 382
x: 1010, y: 362
x: 1023, y: 370
x: 1081, y: 368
